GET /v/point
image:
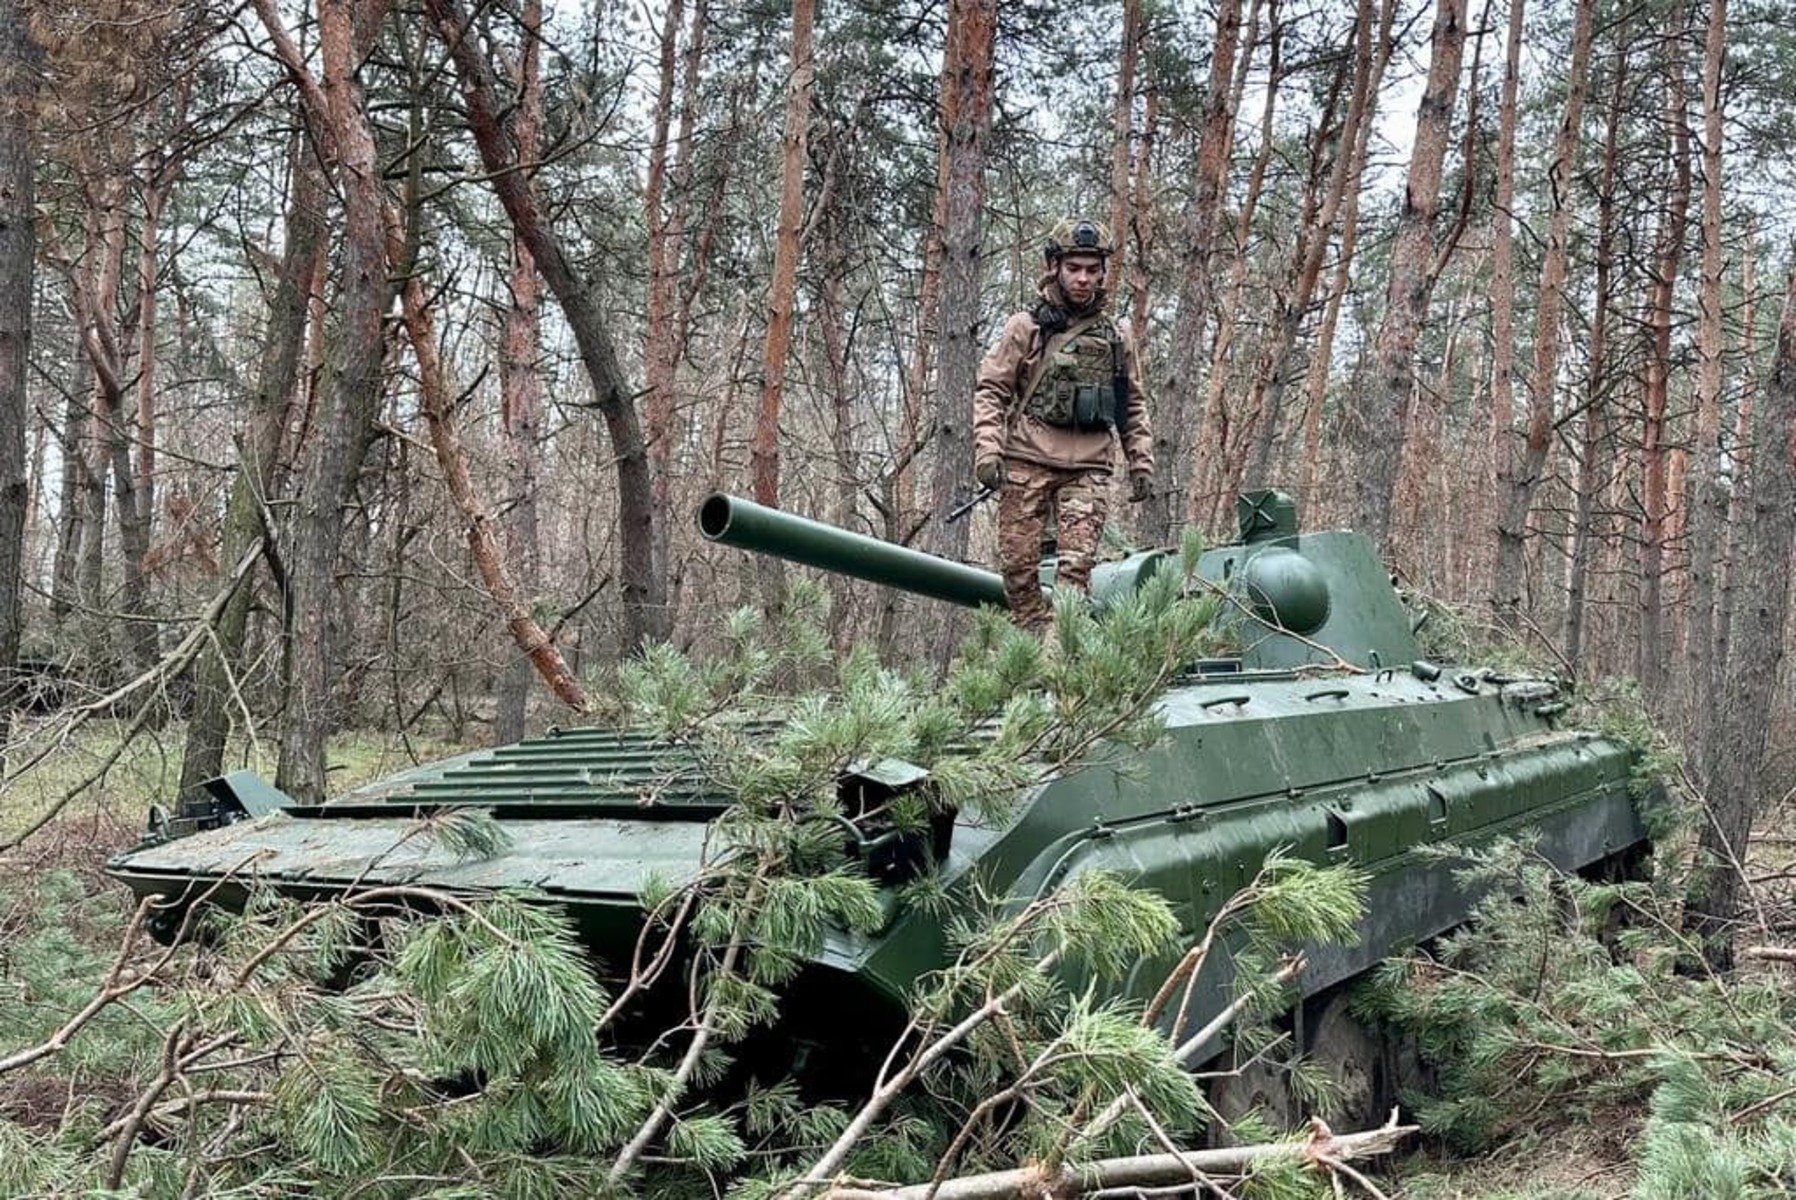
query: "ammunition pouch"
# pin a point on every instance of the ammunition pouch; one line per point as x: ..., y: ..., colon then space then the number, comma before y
x: 1077, y: 388
x: 1069, y: 404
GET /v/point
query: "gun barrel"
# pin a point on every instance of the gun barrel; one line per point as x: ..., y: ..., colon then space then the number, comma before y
x: 750, y: 526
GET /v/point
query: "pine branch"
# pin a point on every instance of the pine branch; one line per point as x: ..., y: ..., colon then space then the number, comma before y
x: 115, y: 987
x: 890, y: 1087
x: 1324, y: 1150
x: 701, y: 1038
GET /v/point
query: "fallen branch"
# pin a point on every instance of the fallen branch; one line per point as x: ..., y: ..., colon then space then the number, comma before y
x: 1324, y: 1149
x: 1770, y: 953
x: 171, y: 665
x: 115, y: 987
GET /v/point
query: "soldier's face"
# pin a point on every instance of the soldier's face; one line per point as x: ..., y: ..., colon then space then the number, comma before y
x: 1081, y: 275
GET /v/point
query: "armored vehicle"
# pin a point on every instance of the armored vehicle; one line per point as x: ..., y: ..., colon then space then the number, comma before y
x: 1329, y: 734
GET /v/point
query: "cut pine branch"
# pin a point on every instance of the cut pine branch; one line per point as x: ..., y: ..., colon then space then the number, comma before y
x: 1324, y: 1149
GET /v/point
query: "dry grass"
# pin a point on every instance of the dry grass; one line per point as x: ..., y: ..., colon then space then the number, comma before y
x: 1558, y: 1161
x: 98, y: 780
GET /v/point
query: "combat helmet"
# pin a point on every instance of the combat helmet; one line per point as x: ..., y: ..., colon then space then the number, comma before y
x: 1078, y: 235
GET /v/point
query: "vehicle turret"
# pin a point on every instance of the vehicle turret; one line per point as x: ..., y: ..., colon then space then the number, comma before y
x: 1301, y: 598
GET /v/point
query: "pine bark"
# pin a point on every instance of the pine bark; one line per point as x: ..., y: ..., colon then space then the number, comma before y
x: 1315, y: 384
x: 666, y: 202
x: 1590, y: 475
x: 18, y: 256
x: 1502, y: 296
x: 1763, y: 592
x: 1707, y: 503
x: 520, y: 391
x: 967, y: 111
x: 782, y: 293
x: 1293, y: 304
x: 108, y: 349
x: 1122, y: 123
x: 71, y: 509
x: 1654, y: 453
x: 1517, y: 490
x: 1380, y: 431
x: 96, y: 308
x: 1221, y: 431
x: 835, y: 329
x: 156, y: 185
x: 1142, y: 230
x: 218, y: 700
x: 484, y: 542
x: 348, y: 401
x: 1739, y: 449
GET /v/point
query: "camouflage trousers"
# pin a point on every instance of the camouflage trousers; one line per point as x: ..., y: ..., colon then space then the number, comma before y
x: 1080, y: 499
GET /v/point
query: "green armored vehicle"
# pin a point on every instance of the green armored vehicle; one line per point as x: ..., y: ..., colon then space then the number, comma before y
x: 1279, y: 747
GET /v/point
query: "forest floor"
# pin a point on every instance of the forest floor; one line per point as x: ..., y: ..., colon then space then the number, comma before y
x: 103, y: 799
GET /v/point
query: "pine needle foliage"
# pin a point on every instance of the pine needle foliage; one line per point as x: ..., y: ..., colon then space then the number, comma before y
x: 470, y: 833
x: 1616, y: 709
x: 1546, y: 1004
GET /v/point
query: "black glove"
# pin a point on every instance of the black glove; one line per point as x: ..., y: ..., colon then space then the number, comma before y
x: 990, y: 473
x: 1141, y: 486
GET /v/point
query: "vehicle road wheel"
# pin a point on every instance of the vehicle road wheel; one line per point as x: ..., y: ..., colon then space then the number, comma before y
x: 1261, y: 1084
x: 1356, y: 1059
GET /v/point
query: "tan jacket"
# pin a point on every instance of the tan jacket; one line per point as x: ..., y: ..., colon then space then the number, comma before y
x: 1002, y: 430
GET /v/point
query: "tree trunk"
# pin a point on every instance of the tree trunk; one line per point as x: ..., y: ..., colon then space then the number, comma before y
x: 349, y: 399
x: 1292, y: 306
x: 1653, y: 453
x: 1220, y: 432
x: 1517, y: 490
x: 18, y: 256
x: 1707, y: 504
x: 782, y: 293
x: 97, y: 304
x: 71, y: 510
x: 1315, y: 385
x: 967, y: 110
x: 1141, y: 223
x: 1763, y: 590
x: 835, y: 332
x: 134, y: 538
x: 697, y: 272
x: 1122, y: 121
x: 1590, y: 473
x: 1379, y: 434
x: 1502, y: 303
x: 217, y: 699
x: 98, y: 308
x: 157, y: 185
x: 520, y: 391
x: 1740, y: 449
x: 1172, y: 436
x: 645, y: 595
x: 435, y: 396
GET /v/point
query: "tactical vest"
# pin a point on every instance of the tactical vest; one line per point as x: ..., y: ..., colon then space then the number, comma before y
x: 1076, y: 388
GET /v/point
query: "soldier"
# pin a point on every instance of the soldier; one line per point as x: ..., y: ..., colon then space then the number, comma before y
x: 1056, y: 397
